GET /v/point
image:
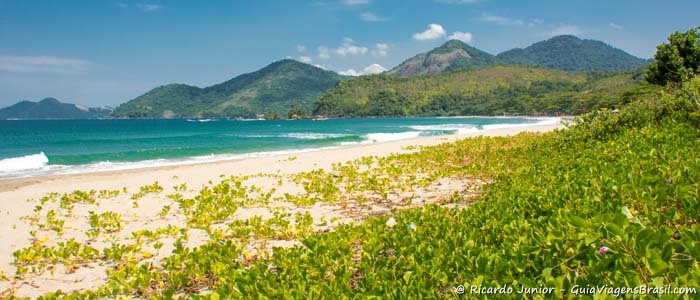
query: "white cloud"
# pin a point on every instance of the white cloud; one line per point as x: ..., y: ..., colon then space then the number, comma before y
x: 380, y: 50
x: 564, y: 30
x: 434, y: 31
x: 42, y: 64
x: 355, y: 2
x: 323, y: 52
x: 374, y: 69
x: 371, y: 69
x: 320, y: 66
x: 462, y: 36
x: 534, y: 22
x: 616, y: 26
x: 371, y: 17
x: 305, y: 59
x: 301, y: 48
x: 149, y: 7
x: 349, y: 48
x: 500, y: 20
x: 349, y: 72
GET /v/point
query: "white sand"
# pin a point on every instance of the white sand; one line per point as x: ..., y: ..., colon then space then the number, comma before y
x: 14, y: 194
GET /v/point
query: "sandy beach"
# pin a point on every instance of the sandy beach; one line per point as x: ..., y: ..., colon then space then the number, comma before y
x: 19, y: 199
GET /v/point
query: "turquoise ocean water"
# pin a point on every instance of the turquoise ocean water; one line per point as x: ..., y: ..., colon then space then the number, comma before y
x: 45, y: 147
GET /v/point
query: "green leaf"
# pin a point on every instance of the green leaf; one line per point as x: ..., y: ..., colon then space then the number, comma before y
x: 626, y: 211
x: 530, y: 249
x: 589, y: 239
x: 614, y: 229
x: 577, y: 221
x: 655, y: 264
x: 527, y: 282
x: 406, y: 276
x: 214, y: 296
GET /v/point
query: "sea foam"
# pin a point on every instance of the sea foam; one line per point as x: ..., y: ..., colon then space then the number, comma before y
x: 456, y: 128
x: 24, y: 163
x: 540, y: 122
x: 314, y: 136
x: 387, y: 137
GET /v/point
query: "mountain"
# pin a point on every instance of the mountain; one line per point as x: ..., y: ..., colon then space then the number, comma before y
x: 564, y: 52
x: 278, y: 88
x: 51, y: 108
x: 491, y: 90
x: 569, y: 53
x: 452, y: 55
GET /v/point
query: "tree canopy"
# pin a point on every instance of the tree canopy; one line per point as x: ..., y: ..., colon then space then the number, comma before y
x: 494, y: 90
x: 678, y: 60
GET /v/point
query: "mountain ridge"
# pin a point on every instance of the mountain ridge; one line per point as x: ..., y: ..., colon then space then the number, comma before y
x: 51, y: 108
x: 563, y: 52
x: 571, y: 53
x: 289, y: 87
x: 453, y: 54
x: 275, y: 90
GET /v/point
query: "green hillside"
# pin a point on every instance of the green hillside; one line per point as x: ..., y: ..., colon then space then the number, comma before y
x: 276, y: 89
x: 565, y: 52
x: 493, y: 90
x: 569, y: 53
x: 50, y: 108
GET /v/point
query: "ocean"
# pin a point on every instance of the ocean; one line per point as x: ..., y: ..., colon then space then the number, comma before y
x: 47, y: 147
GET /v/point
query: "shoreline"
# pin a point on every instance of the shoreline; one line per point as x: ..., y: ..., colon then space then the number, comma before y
x: 19, y: 199
x: 40, y: 162
x: 14, y: 183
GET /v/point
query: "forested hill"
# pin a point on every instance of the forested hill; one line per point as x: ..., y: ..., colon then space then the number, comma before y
x: 51, y: 108
x: 290, y: 87
x: 565, y: 52
x: 493, y: 90
x: 276, y: 89
x: 452, y: 55
x: 569, y: 53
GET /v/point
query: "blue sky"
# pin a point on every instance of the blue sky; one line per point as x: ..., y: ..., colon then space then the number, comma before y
x: 108, y: 52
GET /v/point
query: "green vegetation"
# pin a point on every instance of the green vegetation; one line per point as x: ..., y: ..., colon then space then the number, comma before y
x: 277, y: 89
x: 292, y: 89
x: 51, y: 108
x: 610, y: 200
x: 569, y: 53
x: 565, y: 52
x: 492, y: 90
x: 108, y: 222
x: 678, y: 60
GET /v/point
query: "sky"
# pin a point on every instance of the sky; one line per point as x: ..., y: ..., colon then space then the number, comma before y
x: 99, y: 52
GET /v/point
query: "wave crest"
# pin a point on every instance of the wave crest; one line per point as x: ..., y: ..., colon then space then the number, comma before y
x: 24, y: 163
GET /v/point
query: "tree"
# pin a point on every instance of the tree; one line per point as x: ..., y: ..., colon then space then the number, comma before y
x: 678, y: 60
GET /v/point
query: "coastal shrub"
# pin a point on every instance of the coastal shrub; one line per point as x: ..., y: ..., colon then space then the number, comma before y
x: 147, y: 189
x: 108, y: 222
x: 612, y: 200
x: 618, y: 207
